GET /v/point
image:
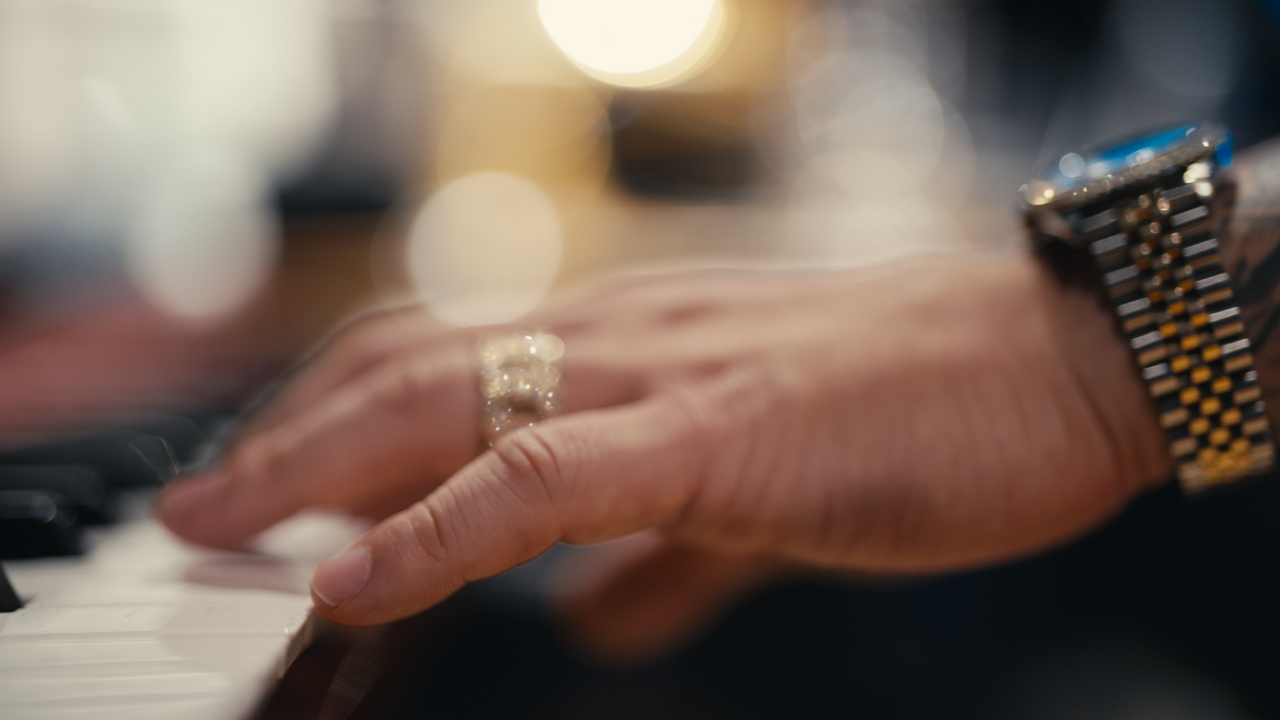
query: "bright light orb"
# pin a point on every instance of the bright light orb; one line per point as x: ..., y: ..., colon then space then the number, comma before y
x: 634, y: 43
x: 485, y: 249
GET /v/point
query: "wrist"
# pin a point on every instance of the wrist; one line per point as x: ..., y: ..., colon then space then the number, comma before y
x: 1102, y: 367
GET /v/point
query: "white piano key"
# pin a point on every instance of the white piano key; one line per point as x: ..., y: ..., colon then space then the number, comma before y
x: 65, y: 686
x: 125, y: 591
x: 18, y: 655
x: 151, y: 707
x: 32, y: 578
x: 154, y: 619
x: 147, y: 627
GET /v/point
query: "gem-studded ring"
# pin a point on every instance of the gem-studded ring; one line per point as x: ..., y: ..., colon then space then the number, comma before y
x: 520, y: 382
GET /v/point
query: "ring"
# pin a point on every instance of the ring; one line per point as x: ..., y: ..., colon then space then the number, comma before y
x: 520, y: 382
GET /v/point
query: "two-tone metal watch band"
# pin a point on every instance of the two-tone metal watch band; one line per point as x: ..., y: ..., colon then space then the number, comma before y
x: 1160, y: 263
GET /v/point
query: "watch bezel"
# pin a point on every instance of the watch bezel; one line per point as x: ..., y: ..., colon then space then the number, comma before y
x: 1042, y: 195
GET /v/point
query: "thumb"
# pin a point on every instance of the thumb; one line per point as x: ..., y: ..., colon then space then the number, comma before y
x: 582, y: 478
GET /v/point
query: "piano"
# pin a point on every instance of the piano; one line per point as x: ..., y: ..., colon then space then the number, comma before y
x: 141, y: 625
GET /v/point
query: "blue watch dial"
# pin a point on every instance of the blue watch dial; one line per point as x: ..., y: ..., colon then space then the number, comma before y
x: 1076, y: 169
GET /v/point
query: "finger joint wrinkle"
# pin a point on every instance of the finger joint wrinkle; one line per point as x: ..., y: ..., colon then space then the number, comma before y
x: 425, y: 528
x: 529, y: 456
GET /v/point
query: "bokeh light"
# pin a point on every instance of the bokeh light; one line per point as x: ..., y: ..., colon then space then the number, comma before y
x: 836, y: 230
x: 204, y: 241
x: 485, y: 249
x: 884, y: 162
x: 871, y: 121
x: 635, y: 43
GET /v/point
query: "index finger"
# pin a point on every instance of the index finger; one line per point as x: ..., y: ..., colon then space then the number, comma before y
x: 380, y: 443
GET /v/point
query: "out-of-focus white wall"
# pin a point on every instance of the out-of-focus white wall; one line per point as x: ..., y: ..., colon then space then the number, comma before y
x: 160, y: 127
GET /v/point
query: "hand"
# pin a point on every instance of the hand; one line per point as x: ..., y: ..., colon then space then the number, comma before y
x: 930, y: 415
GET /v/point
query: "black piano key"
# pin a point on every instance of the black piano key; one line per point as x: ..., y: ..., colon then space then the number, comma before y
x: 37, y: 524
x: 9, y: 600
x: 140, y: 456
x: 81, y: 487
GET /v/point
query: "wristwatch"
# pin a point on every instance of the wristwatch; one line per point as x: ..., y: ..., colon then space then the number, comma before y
x: 1137, y: 216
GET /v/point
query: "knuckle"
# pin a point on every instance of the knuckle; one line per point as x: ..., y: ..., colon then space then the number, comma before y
x: 361, y: 338
x: 257, y: 459
x: 691, y: 418
x: 716, y: 446
x: 424, y: 529
x: 363, y: 341
x: 531, y: 466
x: 685, y: 312
x: 401, y: 387
x: 373, y: 322
x: 418, y: 383
x: 692, y: 434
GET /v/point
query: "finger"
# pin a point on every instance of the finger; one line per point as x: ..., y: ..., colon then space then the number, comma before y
x: 638, y: 599
x: 580, y: 478
x: 382, y: 442
x: 373, y: 445
x: 594, y: 366
x: 354, y: 348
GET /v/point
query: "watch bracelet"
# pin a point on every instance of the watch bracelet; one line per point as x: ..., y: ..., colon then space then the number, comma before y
x: 1160, y: 263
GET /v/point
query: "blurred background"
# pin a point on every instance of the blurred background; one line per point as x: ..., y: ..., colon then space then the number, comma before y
x: 193, y: 191
x: 225, y: 179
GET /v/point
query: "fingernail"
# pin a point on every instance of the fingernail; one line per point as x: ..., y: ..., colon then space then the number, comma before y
x: 341, y: 578
x: 188, y: 496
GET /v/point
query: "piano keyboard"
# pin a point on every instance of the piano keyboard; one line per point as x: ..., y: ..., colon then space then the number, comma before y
x: 144, y: 626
